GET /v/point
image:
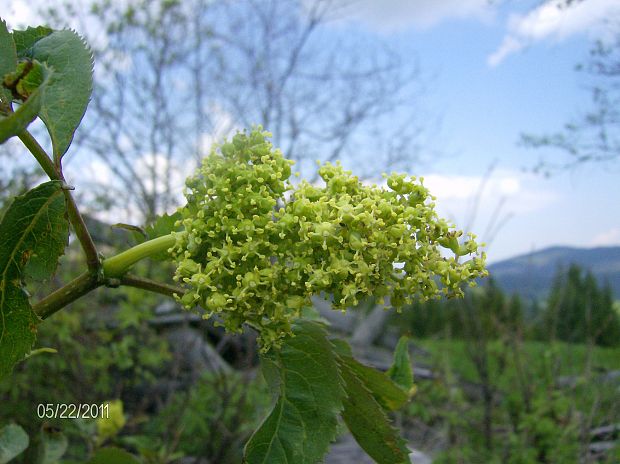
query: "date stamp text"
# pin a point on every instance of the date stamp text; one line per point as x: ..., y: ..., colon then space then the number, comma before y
x: 73, y: 411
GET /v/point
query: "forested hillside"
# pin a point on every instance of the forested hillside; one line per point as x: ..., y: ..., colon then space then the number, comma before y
x: 531, y: 275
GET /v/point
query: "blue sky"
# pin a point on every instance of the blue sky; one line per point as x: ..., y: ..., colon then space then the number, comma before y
x: 492, y: 70
x: 497, y: 71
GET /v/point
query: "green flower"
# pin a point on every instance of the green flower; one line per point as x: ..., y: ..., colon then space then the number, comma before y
x: 254, y: 248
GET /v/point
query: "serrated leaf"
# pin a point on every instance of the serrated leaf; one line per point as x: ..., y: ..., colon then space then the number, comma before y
x: 13, y: 441
x: 341, y: 347
x: 303, y: 421
x: 24, y: 40
x: 18, y: 326
x: 271, y: 373
x: 70, y: 87
x: 33, y: 229
x: 163, y: 225
x: 136, y: 234
x: 113, y: 455
x: 390, y: 395
x: 8, y: 59
x: 368, y: 422
x: 51, y: 239
x: 400, y: 371
x: 18, y: 121
x: 136, y: 231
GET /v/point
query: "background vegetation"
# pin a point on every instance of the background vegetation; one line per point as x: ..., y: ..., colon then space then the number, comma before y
x: 507, y: 379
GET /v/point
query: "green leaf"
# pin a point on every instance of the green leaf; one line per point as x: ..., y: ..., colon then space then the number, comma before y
x: 390, y: 395
x: 109, y: 426
x: 163, y: 225
x: 8, y: 60
x: 368, y: 422
x: 112, y: 455
x: 303, y: 421
x: 40, y: 351
x: 33, y: 231
x: 69, y: 90
x: 369, y: 394
x: 27, y: 78
x: 36, y: 82
x: 13, y: 441
x: 137, y: 231
x: 51, y: 239
x: 18, y: 326
x: 400, y: 371
x: 271, y: 374
x: 24, y: 40
x: 52, y: 446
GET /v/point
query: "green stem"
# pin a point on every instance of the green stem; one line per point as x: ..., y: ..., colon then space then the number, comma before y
x: 114, y: 269
x: 116, y: 266
x: 37, y: 151
x: 76, y: 219
x: 75, y: 289
x: 151, y: 285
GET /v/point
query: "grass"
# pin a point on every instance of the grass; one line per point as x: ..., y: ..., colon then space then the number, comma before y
x: 543, y: 365
x: 564, y: 358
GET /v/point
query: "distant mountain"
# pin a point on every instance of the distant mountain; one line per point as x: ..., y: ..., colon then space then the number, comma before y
x: 531, y: 275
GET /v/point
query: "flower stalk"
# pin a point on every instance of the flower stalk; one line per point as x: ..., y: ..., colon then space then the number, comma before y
x: 116, y: 266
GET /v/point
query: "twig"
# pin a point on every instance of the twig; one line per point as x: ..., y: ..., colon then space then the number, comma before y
x: 75, y: 289
x: 152, y: 286
x: 76, y: 219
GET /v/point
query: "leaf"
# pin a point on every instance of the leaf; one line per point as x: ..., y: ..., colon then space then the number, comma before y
x: 163, y: 225
x: 24, y: 40
x: 400, y: 371
x: 390, y: 395
x: 51, y: 239
x: 52, y: 446
x: 40, y: 351
x: 33, y: 229
x: 8, y: 60
x: 18, y: 121
x: 368, y: 422
x: 113, y: 455
x: 70, y: 87
x: 136, y: 231
x: 303, y: 421
x: 112, y: 423
x: 18, y: 326
x: 271, y: 374
x: 13, y: 441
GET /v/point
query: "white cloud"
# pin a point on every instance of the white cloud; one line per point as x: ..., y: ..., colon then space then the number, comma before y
x: 483, y: 204
x: 20, y: 14
x: 609, y: 237
x: 555, y: 21
x: 152, y: 166
x: 392, y: 15
x: 521, y: 193
x: 117, y: 60
x: 96, y: 171
x: 458, y: 187
x: 452, y: 187
x: 224, y: 125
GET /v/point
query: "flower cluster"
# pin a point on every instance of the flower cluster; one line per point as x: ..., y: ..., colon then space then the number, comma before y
x: 254, y: 248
